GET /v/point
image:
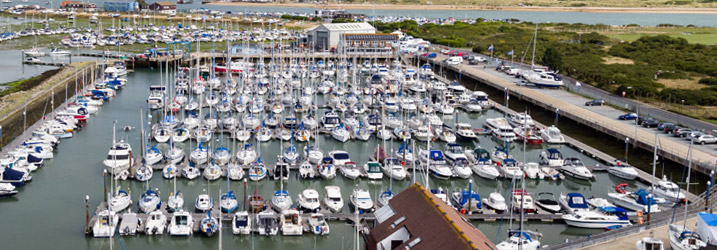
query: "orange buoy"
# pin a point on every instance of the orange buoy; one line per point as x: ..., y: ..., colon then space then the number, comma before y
x: 463, y: 211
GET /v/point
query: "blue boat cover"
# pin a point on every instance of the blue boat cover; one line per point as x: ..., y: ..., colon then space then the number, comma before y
x: 644, y: 198
x: 576, y: 200
x: 709, y: 219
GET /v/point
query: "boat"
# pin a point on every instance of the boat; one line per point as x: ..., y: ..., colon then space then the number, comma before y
x: 668, y: 190
x: 340, y: 157
x: 327, y: 170
x: 267, y: 223
x: 156, y: 223
x: 552, y: 135
x: 681, y: 238
x: 637, y: 201
x: 208, y: 225
x: 190, y: 172
x: 308, y: 201
x: 510, y: 169
x: 105, y: 225
x: 438, y: 167
x: 291, y: 223
x: 360, y: 200
x: 143, y: 173
x: 290, y: 155
x: 518, y: 240
x: 622, y: 170
x: 241, y: 223
x: 464, y: 132
x: 130, y: 223
x: 169, y: 171
x: 573, y: 202
x: 532, y: 171
x: 529, y: 135
x: 175, y: 201
x: 119, y: 157
x: 317, y: 224
x: 120, y: 201
x: 575, y: 168
x: 373, y: 170
x: 281, y: 201
x: 454, y: 151
x: 547, y: 202
x: 332, y: 199
x: 330, y: 120
x: 521, y: 199
x: 467, y: 201
x: 482, y: 164
x: 393, y: 168
x: 281, y: 171
x: 174, y: 155
x: 257, y: 171
x: 212, y: 172
x: 153, y: 156
x: 314, y: 154
x: 307, y: 171
x: 235, y: 171
x: 203, y: 203
x: 181, y: 224
x: 649, y: 243
x: 149, y: 201
x: 228, y: 202
x: 520, y: 120
x: 461, y: 168
x: 405, y: 153
x: 500, y: 129
x: 496, y: 202
x: 543, y: 79
x: 199, y: 155
x: 551, y: 157
x: 340, y: 133
x: 602, y: 217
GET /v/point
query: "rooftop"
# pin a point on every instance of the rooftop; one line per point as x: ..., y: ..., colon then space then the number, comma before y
x: 371, y: 37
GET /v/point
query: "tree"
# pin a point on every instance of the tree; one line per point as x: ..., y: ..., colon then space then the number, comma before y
x: 552, y: 58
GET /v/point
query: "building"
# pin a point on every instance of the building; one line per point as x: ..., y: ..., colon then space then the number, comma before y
x: 121, y: 6
x: 78, y: 6
x: 417, y: 219
x: 326, y: 36
x: 707, y: 227
x: 165, y: 7
x: 351, y: 43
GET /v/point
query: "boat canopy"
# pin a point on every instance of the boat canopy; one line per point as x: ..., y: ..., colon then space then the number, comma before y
x: 577, y: 200
x: 620, y: 212
x: 644, y: 198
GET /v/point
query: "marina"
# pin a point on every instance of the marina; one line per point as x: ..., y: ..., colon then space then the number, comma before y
x: 294, y: 148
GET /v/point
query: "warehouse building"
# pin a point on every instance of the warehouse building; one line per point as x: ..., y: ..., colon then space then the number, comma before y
x: 327, y: 36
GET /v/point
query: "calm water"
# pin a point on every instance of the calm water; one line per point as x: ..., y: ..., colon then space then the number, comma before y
x: 12, y: 68
x: 52, y: 204
x: 532, y: 16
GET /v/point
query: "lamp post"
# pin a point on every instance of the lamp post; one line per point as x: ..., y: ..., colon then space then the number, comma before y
x: 627, y: 142
x: 87, y: 213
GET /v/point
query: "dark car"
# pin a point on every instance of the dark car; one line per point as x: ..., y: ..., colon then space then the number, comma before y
x: 662, y: 126
x: 628, y: 116
x: 670, y: 128
x: 596, y: 102
x: 650, y: 122
x: 681, y: 132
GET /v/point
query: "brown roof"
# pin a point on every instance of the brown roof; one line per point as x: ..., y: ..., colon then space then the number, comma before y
x: 437, y: 224
x: 165, y: 3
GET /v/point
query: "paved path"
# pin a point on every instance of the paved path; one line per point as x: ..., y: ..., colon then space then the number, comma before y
x: 628, y: 242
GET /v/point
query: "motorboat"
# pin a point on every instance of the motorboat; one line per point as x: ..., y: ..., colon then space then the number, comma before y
x: 573, y: 202
x: 308, y: 201
x: 461, y: 168
x: 156, y: 223
x: 199, y: 155
x: 241, y: 223
x: 181, y: 224
x: 482, y: 164
x: 169, y: 171
x: 464, y: 132
x: 385, y: 197
x: 175, y: 201
x: 519, y: 240
x: 500, y: 129
x: 440, y: 194
x: 267, y: 223
x: 650, y: 243
x: 208, y: 225
x: 119, y: 157
x: 130, y: 223
x: 190, y: 172
x: 532, y: 171
x: 438, y: 166
x: 596, y: 202
x: 405, y: 153
x: 521, y: 199
x: 393, y: 168
x: 330, y: 120
x: 668, y: 190
x: 602, y: 217
x: 528, y: 135
x: 212, y: 172
x: 551, y: 157
x: 543, y: 79
x: 520, y: 120
x: 361, y: 200
x: 203, y: 203
x: 281, y: 171
x: 118, y: 202
x: 332, y: 199
x: 547, y: 202
x: 307, y: 171
x: 106, y: 224
x: 466, y: 200
x: 373, y: 170
x: 317, y: 224
x: 149, y: 201
x: 257, y: 171
x: 681, y: 238
x: 496, y: 202
x: 454, y: 151
x: 575, y: 168
x: 291, y: 223
x: 326, y: 169
x: 340, y: 157
x: 510, y: 169
x: 551, y: 173
x: 228, y: 202
x: 622, y: 170
x: 637, y: 201
x: 153, y: 156
x: 552, y: 135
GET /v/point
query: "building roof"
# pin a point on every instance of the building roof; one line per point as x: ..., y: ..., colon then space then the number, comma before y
x: 371, y: 37
x: 165, y: 3
x: 425, y: 217
x: 346, y: 26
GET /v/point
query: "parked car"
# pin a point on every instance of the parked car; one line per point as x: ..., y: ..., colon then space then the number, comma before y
x: 694, y: 135
x: 628, y: 116
x: 649, y: 122
x: 662, y: 126
x: 670, y: 128
x: 682, y: 132
x: 454, y: 60
x: 704, y: 139
x: 596, y: 102
x: 429, y: 55
x: 477, y: 58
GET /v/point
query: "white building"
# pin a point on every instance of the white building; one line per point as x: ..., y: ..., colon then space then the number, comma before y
x: 327, y: 36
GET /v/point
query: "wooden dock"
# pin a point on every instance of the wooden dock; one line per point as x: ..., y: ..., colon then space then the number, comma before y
x: 43, y: 63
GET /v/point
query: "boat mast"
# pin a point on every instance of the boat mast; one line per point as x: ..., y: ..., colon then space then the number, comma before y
x: 535, y: 41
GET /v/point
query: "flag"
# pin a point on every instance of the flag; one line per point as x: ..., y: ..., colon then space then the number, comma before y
x: 510, y: 53
x: 491, y: 47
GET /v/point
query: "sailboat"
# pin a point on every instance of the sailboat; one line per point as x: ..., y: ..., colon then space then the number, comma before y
x: 681, y: 238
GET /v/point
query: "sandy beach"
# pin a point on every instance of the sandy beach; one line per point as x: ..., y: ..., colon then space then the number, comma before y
x: 660, y: 10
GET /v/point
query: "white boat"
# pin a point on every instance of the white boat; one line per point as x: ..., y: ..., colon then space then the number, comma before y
x: 169, y: 171
x: 552, y: 135
x: 575, y: 168
x: 308, y: 201
x: 681, y: 238
x: 257, y: 171
x: 281, y: 201
x: 203, y: 203
x: 637, y: 201
x: 361, y: 200
x: 373, y: 170
x: 518, y: 240
x: 547, y: 202
x: 208, y: 225
x: 199, y: 155
x: 241, y: 223
x: 307, y: 171
x: 153, y: 156
x: 190, y: 172
x: 500, y: 129
x: 622, y: 170
x: 521, y: 199
x: 212, y: 172
x: 340, y: 133
x: 454, y: 151
x: 105, y: 225
x: 510, y: 169
x: 649, y: 243
x: 181, y: 224
x: 314, y: 154
x: 393, y: 168
x: 542, y: 78
x: 120, y: 201
x: 668, y: 190
x: 291, y: 223
x: 149, y: 201
x: 130, y: 223
x: 520, y: 120
x: 174, y: 155
x: 600, y: 218
x: 143, y: 173
x: 235, y: 171
x: 340, y: 157
x: 464, y: 132
x: 461, y: 168
x: 119, y: 157
x: 532, y: 171
x: 267, y: 223
x: 156, y: 223
x: 228, y: 202
x: 496, y: 202
x: 482, y: 164
x: 332, y: 199
x: 317, y: 224
x: 573, y: 202
x: 551, y: 157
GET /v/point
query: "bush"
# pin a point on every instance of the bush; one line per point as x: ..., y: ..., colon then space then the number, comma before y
x: 709, y: 81
x: 477, y: 50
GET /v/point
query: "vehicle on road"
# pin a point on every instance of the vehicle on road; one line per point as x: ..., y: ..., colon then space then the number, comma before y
x: 682, y: 132
x: 628, y: 116
x: 704, y: 139
x: 596, y: 102
x: 648, y: 122
x: 663, y: 125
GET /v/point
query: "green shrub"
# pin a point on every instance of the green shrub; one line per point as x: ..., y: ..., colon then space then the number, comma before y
x: 709, y: 81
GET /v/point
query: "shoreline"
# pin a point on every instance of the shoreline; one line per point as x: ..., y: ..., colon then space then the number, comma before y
x: 634, y: 10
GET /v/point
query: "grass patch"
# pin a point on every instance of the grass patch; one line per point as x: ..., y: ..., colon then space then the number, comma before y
x: 617, y: 60
x: 681, y: 83
x: 27, y: 84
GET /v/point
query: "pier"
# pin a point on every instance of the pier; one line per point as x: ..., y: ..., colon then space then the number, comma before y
x: 56, y: 64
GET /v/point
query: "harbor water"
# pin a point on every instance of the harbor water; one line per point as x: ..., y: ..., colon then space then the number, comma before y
x: 52, y: 205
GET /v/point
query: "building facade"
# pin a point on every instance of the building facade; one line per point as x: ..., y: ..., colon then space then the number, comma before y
x: 121, y: 6
x: 368, y: 43
x: 326, y: 36
x: 78, y: 6
x: 164, y: 7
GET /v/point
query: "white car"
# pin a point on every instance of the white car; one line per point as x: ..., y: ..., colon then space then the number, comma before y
x: 704, y: 139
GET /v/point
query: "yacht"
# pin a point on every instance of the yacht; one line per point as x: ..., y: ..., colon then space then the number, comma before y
x: 308, y: 201
x: 519, y: 240
x: 317, y: 224
x: 637, y: 201
x: 327, y: 170
x: 438, y: 166
x: 120, y: 201
x: 257, y: 171
x: 461, y: 168
x: 291, y: 223
x: 156, y: 223
x: 532, y: 170
x: 573, y: 202
x: 373, y: 170
x: 522, y: 196
x: 464, y: 132
x: 332, y: 199
x: 149, y: 201
x: 350, y: 170
x: 551, y: 157
x: 340, y: 157
x: 393, y: 168
x: 340, y: 133
x: 575, y: 168
x: 212, y: 172
x: 552, y: 135
x: 330, y: 120
x: 453, y: 152
x: 241, y: 223
x: 602, y: 217
x: 361, y: 200
x: 105, y: 225
x: 281, y: 201
x: 622, y: 170
x: 520, y: 120
x: 119, y: 157
x: 267, y: 223
x: 668, y: 190
x: 181, y: 224
x: 681, y: 238
x: 156, y: 97
x: 482, y: 164
x: 203, y: 203
x: 544, y: 79
x: 510, y: 169
x: 199, y: 155
x: 500, y: 129
x: 547, y: 202
x: 496, y: 202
